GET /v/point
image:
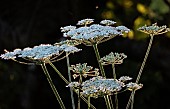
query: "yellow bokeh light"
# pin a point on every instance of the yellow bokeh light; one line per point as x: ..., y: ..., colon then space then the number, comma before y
x: 142, y: 9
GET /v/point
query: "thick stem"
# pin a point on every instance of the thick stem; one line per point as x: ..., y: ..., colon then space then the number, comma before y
x: 79, y: 100
x: 114, y: 73
x: 129, y: 101
x: 116, y: 101
x: 107, y: 100
x: 62, y: 77
x: 98, y: 59
x: 132, y: 99
x: 52, y: 85
x: 89, y: 102
x: 69, y: 77
x: 145, y: 58
x: 141, y: 69
x: 114, y: 76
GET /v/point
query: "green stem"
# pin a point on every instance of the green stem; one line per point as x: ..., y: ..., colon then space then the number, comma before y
x: 114, y: 73
x: 108, y: 104
x: 52, y: 85
x: 79, y: 100
x: 129, y: 101
x: 62, y: 77
x: 116, y: 101
x: 98, y: 59
x: 141, y: 69
x: 69, y: 77
x: 114, y: 76
x: 88, y: 102
x: 132, y: 99
x: 145, y: 58
x: 111, y: 102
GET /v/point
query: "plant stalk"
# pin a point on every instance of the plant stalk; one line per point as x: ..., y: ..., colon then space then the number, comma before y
x: 69, y: 78
x: 141, y: 69
x: 98, y: 60
x: 107, y: 100
x: 52, y: 86
x: 88, y: 102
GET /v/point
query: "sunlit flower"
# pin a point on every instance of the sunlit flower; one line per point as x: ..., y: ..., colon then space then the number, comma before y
x: 99, y: 86
x: 85, y: 21
x: 124, y: 78
x: 69, y: 49
x: 154, y: 29
x: 107, y: 22
x: 67, y: 28
x: 74, y: 84
x: 95, y: 33
x: 122, y: 29
x: 133, y: 86
x: 42, y: 53
x: 83, y: 70
x: 113, y: 58
x: 36, y: 53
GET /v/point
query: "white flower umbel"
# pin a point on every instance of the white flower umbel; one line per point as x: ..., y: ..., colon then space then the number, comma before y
x: 107, y: 22
x: 99, y: 86
x: 95, y: 33
x: 113, y: 58
x: 67, y: 28
x: 85, y: 22
x: 83, y: 70
x: 133, y: 86
x: 69, y: 49
x: 154, y: 29
x: 124, y: 78
x: 38, y: 52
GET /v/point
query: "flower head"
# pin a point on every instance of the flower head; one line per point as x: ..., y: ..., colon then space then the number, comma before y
x: 113, y: 58
x: 36, y: 53
x: 124, y: 78
x: 69, y: 49
x: 11, y: 55
x: 133, y: 86
x: 99, y: 86
x: 83, y: 70
x: 85, y: 21
x: 154, y: 29
x: 67, y: 28
x: 107, y: 22
x: 95, y: 33
x: 42, y: 53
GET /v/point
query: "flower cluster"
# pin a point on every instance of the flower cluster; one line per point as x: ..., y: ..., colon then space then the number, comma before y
x: 134, y: 86
x: 154, y: 29
x: 124, y: 78
x: 113, y: 58
x: 95, y: 33
x: 39, y: 53
x: 83, y: 70
x: 99, y: 86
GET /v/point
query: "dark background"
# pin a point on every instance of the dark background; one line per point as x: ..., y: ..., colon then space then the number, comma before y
x: 32, y: 22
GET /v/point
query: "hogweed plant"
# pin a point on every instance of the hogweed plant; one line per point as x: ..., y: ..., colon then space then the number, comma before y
x: 98, y: 85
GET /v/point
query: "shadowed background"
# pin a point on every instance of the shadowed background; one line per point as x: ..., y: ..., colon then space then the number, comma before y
x: 33, y: 22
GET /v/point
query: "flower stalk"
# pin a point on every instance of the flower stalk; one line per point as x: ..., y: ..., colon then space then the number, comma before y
x: 69, y: 78
x: 52, y: 86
